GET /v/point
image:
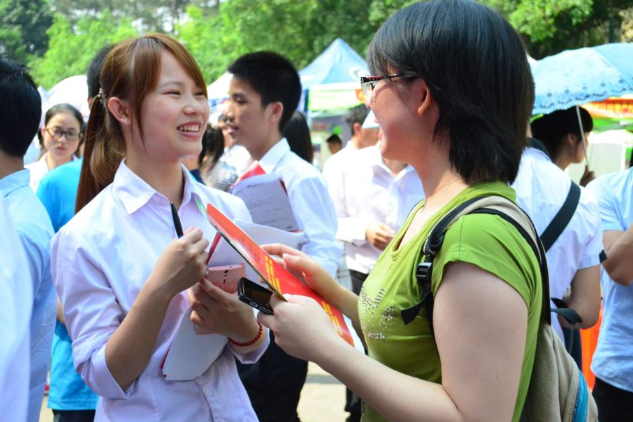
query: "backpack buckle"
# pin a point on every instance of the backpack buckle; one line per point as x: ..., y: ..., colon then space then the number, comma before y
x: 423, y: 272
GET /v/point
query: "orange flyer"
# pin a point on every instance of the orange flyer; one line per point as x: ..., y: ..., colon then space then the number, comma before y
x: 275, y: 275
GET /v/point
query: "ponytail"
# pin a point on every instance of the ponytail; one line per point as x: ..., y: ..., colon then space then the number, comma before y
x: 103, y: 152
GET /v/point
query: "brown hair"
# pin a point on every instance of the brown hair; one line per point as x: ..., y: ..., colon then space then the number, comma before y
x: 130, y: 72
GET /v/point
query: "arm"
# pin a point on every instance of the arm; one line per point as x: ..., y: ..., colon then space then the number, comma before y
x: 111, y: 348
x: 130, y: 347
x: 617, y: 245
x: 481, y: 353
x: 585, y: 297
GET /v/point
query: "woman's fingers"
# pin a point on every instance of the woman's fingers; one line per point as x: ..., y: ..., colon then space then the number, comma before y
x: 279, y: 249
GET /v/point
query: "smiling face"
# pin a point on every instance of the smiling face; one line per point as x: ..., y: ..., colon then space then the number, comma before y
x: 174, y: 116
x: 60, y: 148
x: 403, y: 125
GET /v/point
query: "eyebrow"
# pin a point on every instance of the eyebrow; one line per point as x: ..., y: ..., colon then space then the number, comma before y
x: 170, y: 83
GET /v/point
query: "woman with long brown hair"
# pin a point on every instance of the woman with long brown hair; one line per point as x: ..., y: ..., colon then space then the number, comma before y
x: 121, y: 266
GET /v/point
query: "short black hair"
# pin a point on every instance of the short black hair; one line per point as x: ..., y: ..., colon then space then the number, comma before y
x: 334, y: 139
x: 93, y: 75
x: 297, y: 134
x: 552, y: 128
x: 475, y: 66
x: 21, y: 107
x: 356, y: 114
x: 273, y: 77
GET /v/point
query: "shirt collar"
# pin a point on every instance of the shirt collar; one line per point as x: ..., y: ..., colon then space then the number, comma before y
x: 14, y: 181
x: 274, y: 155
x: 135, y: 192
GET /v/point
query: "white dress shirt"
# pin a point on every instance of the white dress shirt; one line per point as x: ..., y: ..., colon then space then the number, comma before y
x: 16, y: 300
x: 337, y: 163
x: 100, y: 261
x: 367, y: 192
x: 310, y: 201
x: 541, y: 189
x: 35, y: 230
x: 613, y: 359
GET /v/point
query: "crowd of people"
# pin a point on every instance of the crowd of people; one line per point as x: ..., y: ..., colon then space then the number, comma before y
x: 95, y: 275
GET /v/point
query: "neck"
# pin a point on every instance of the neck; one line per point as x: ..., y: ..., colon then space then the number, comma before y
x: 9, y: 164
x: 355, y: 140
x: 52, y: 163
x: 258, y: 151
x: 166, y: 178
x: 562, y: 161
x: 394, y: 166
x: 440, y: 181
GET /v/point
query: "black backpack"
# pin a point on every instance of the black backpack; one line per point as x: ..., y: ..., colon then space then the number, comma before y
x: 558, y: 391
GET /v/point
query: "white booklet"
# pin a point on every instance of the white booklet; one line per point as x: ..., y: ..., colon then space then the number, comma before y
x: 190, y: 354
x: 266, y: 198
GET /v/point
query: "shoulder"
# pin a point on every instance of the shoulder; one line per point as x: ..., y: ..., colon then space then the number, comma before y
x: 494, y: 245
x: 294, y: 169
x: 30, y: 217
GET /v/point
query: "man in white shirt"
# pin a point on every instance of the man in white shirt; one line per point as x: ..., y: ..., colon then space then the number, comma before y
x: 16, y: 301
x: 363, y: 136
x: 263, y: 94
x: 573, y: 260
x: 18, y: 124
x: 613, y: 359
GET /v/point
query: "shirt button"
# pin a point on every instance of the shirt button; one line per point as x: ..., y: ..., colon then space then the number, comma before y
x: 209, y: 393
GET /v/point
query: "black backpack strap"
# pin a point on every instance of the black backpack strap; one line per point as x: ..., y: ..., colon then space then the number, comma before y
x: 431, y: 247
x: 562, y: 218
x: 483, y: 205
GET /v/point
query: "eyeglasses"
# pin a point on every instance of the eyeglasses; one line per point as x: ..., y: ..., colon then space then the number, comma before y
x: 71, y: 135
x: 368, y: 83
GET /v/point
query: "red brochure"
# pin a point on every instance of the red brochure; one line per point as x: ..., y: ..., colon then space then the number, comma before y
x: 275, y: 275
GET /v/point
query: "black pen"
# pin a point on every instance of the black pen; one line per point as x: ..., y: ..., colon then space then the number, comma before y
x: 177, y: 225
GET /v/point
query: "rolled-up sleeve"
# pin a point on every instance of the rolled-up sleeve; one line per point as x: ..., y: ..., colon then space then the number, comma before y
x: 91, y: 311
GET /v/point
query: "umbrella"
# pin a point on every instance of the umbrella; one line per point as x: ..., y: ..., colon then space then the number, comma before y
x: 576, y: 77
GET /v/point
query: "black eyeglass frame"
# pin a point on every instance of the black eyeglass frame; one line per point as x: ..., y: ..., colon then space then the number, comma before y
x: 59, y: 134
x: 368, y: 83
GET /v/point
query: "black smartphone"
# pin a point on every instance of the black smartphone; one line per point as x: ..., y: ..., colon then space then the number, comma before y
x: 254, y: 295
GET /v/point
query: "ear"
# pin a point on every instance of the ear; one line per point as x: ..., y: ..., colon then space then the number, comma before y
x: 421, y: 94
x: 121, y: 111
x: 277, y: 110
x: 356, y: 129
x: 572, y: 140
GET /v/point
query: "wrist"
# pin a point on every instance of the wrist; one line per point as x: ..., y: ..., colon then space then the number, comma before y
x: 254, y: 339
x: 161, y: 294
x: 247, y: 332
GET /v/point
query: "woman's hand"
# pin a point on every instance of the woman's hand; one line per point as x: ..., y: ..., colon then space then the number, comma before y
x: 302, y: 328
x: 307, y: 269
x: 182, y: 264
x: 587, y: 177
x: 218, y: 312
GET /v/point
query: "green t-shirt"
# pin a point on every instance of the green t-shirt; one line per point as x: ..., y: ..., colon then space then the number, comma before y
x: 484, y: 240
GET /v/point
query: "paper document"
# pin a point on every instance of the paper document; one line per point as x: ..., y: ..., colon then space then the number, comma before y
x: 267, y: 200
x: 190, y: 355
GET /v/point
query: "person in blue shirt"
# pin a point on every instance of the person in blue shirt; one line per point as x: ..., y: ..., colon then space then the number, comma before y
x: 613, y: 359
x: 21, y: 110
x: 70, y: 399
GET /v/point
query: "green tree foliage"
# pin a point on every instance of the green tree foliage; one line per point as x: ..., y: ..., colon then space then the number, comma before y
x: 23, y: 25
x: 71, y: 47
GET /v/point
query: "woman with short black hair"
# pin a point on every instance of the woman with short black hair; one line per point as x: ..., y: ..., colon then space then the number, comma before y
x: 452, y: 94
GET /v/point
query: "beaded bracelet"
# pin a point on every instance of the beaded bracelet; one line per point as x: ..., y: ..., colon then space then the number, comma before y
x: 248, y: 343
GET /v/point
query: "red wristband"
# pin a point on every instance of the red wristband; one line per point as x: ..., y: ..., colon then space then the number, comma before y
x: 248, y: 343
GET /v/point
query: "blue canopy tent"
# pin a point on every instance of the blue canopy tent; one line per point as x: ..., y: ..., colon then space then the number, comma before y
x: 338, y: 63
